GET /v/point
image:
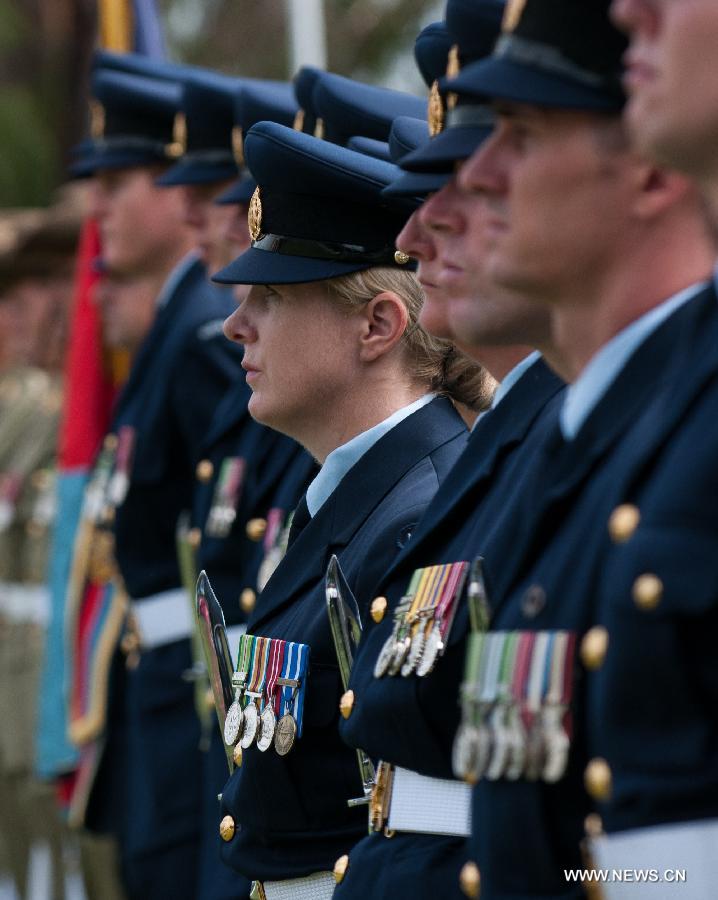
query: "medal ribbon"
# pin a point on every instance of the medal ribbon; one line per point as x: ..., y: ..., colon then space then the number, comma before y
x: 274, y: 525
x: 296, y: 661
x: 535, y: 686
x: 302, y: 667
x: 232, y: 483
x: 521, y: 669
x: 125, y: 445
x: 448, y: 598
x: 244, y: 654
x: 490, y: 673
x: 259, y: 665
x: 427, y: 582
x: 479, y: 612
x: 274, y: 667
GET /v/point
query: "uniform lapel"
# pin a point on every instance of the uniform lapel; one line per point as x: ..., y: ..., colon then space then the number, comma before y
x: 646, y: 403
x: 499, y: 432
x: 354, y: 499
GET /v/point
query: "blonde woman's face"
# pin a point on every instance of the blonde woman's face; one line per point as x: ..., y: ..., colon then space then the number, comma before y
x: 301, y: 354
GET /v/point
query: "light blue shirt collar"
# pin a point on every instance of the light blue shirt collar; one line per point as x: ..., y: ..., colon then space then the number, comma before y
x: 585, y: 393
x: 339, y: 461
x: 508, y: 382
x: 174, y: 278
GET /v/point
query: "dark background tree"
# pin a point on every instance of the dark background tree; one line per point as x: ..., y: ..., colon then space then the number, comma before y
x: 45, y: 47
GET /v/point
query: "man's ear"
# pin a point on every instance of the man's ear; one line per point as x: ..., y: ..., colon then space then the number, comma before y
x: 385, y: 319
x: 659, y: 189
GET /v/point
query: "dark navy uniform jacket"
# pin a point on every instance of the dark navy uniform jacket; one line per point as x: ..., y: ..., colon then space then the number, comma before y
x: 277, y: 472
x: 291, y: 812
x: 273, y: 464
x: 649, y: 708
x: 411, y: 722
x: 182, y: 370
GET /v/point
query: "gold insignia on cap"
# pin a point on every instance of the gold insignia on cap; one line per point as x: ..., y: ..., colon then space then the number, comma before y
x: 298, y: 124
x: 178, y: 147
x: 319, y: 129
x: 436, y: 110
x: 238, y: 146
x: 512, y: 14
x: 254, y: 217
x: 401, y: 258
x: 97, y: 120
x: 453, y: 67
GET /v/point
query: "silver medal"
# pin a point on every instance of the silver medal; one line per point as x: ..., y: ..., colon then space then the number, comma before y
x: 381, y: 667
x: 284, y: 734
x: 416, y: 648
x: 433, y: 648
x: 251, y: 726
x: 233, y: 724
x: 267, y: 725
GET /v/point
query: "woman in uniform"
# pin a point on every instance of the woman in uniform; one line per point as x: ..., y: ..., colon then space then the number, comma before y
x: 336, y: 359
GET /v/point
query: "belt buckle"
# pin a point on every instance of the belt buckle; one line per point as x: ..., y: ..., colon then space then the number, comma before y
x: 381, y: 798
x: 257, y: 891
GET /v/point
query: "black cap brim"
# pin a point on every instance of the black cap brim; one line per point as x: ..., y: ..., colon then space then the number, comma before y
x: 441, y: 152
x: 416, y: 184
x: 499, y: 78
x: 262, y: 267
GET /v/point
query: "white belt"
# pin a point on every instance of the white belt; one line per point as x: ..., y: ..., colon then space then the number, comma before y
x: 666, y: 850
x: 234, y: 633
x: 429, y: 805
x: 24, y: 602
x: 319, y: 886
x: 163, y: 618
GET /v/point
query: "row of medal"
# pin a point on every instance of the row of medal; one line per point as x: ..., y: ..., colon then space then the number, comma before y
x: 226, y: 496
x: 515, y: 701
x: 422, y: 621
x: 110, y: 478
x: 269, y: 687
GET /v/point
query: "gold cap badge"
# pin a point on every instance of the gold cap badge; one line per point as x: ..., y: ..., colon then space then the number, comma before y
x: 254, y: 217
x: 97, y: 120
x: 238, y: 146
x: 436, y: 110
x: 178, y: 147
x: 512, y: 14
x: 453, y: 67
x: 401, y: 258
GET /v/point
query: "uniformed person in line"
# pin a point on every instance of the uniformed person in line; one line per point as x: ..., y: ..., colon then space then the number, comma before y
x: 35, y: 288
x: 250, y: 478
x: 589, y: 679
x: 181, y: 370
x: 335, y: 358
x: 672, y: 84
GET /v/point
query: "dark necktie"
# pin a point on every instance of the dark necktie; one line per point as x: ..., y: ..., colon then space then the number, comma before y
x: 299, y: 520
